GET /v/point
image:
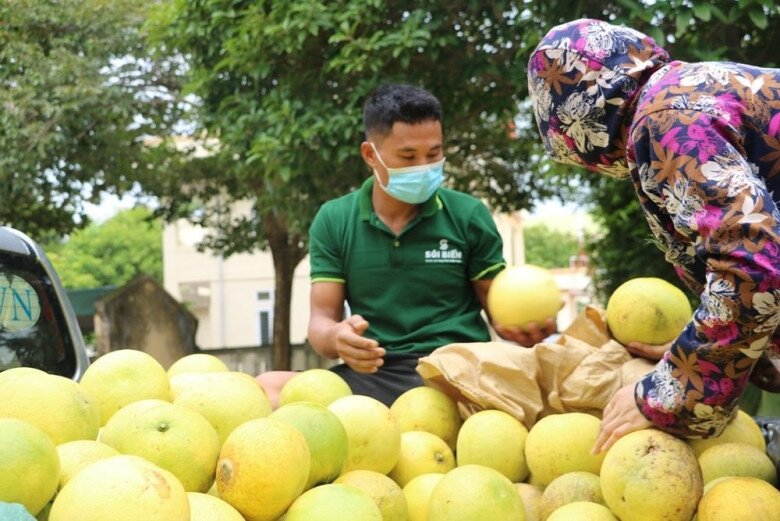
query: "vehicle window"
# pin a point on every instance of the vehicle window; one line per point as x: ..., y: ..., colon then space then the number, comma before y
x: 33, y: 331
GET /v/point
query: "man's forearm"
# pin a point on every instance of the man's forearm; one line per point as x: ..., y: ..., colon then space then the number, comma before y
x: 321, y: 336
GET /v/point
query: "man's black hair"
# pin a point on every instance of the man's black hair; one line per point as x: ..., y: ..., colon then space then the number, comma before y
x: 390, y: 103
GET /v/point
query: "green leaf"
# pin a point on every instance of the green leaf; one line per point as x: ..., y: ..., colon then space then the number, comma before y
x: 703, y: 12
x: 681, y: 22
x: 758, y: 17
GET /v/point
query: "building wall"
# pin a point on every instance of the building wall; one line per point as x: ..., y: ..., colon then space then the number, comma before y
x: 223, y: 293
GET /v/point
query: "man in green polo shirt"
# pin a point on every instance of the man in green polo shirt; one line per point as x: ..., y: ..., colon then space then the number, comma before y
x: 413, y: 261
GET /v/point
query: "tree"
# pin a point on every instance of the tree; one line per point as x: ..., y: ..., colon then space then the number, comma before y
x: 77, y: 100
x: 280, y: 85
x: 549, y: 247
x: 111, y: 253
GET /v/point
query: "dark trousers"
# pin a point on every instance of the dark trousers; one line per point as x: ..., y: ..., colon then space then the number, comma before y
x: 395, y: 377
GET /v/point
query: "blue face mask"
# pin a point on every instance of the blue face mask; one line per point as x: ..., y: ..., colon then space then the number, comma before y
x: 412, y: 184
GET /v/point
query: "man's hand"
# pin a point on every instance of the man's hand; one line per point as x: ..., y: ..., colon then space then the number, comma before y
x: 649, y: 351
x: 360, y: 353
x: 621, y: 416
x: 528, y: 335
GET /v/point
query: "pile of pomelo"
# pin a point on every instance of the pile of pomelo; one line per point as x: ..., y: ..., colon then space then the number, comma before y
x: 134, y: 442
x: 198, y: 442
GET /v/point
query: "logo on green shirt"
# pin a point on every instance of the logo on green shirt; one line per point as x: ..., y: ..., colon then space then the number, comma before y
x: 444, y: 254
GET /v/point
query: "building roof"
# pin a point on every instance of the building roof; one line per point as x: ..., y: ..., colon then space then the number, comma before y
x: 83, y: 300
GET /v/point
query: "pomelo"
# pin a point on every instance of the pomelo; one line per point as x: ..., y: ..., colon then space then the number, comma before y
x: 75, y: 455
x: 29, y: 465
x: 373, y: 435
x: 122, y: 377
x: 172, y: 437
x: 204, y: 507
x: 569, y: 488
x: 314, y: 385
x: 562, y: 443
x: 60, y: 407
x: 740, y: 499
x: 742, y: 428
x: 325, y: 435
x: 421, y: 453
x: 225, y: 399
x: 385, y: 492
x: 522, y: 294
x: 333, y: 502
x: 475, y: 493
x: 428, y: 409
x: 197, y: 363
x: 648, y: 310
x: 532, y: 500
x: 648, y: 474
x: 582, y: 511
x: 418, y: 492
x: 263, y: 466
x: 736, y: 459
x: 121, y: 488
x: 494, y: 439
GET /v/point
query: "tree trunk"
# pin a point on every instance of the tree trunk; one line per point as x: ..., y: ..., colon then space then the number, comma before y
x: 287, y: 254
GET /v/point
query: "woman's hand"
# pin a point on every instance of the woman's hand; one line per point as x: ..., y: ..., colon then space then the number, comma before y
x: 649, y: 351
x: 621, y: 416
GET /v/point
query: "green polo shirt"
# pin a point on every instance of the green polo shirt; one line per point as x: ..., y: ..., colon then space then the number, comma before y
x: 414, y: 289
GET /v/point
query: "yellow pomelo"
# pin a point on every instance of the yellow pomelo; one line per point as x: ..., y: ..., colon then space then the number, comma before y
x: 742, y: 428
x: 122, y: 377
x: 494, y: 439
x: 204, y: 507
x: 562, y: 443
x: 428, y: 409
x: 373, y: 435
x: 522, y: 294
x: 532, y: 500
x: 708, y: 486
x: 131, y: 410
x: 325, y: 435
x: 475, y: 493
x: 333, y: 502
x: 648, y: 474
x: 262, y: 468
x: 121, y: 488
x: 569, y: 488
x: 418, y: 492
x: 582, y: 511
x: 29, y: 465
x: 421, y: 453
x: 648, y: 310
x: 740, y: 499
x: 172, y: 437
x: 197, y: 363
x: 225, y: 399
x: 314, y: 385
x: 385, y: 492
x: 736, y: 459
x: 75, y: 455
x: 58, y: 406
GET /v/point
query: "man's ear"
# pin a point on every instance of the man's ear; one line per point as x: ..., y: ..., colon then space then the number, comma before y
x: 369, y: 155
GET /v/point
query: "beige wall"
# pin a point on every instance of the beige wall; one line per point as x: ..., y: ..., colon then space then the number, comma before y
x: 202, y: 279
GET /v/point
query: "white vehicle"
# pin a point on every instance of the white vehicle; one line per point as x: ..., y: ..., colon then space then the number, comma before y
x: 38, y: 327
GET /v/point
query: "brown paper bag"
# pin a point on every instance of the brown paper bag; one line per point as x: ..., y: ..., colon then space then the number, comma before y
x: 578, y: 373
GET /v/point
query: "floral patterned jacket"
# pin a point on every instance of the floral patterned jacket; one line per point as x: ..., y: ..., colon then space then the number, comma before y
x: 701, y: 143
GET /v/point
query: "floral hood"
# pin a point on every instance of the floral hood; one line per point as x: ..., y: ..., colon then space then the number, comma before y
x: 584, y: 78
